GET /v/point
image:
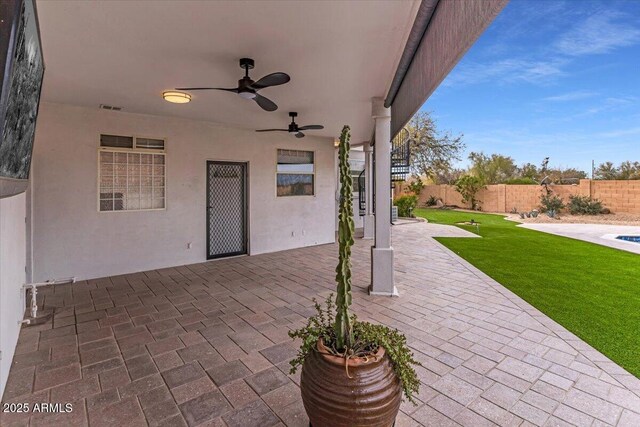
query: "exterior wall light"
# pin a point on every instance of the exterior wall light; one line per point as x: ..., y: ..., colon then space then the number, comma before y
x: 176, y: 97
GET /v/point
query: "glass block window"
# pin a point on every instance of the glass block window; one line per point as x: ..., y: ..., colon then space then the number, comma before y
x: 295, y: 174
x: 131, y: 180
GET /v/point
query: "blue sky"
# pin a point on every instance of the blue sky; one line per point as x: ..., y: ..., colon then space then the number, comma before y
x: 550, y: 78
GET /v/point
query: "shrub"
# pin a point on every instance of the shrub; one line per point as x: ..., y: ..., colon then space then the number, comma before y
x: 584, y: 205
x: 406, y: 205
x: 431, y: 201
x: 521, y: 181
x: 551, y: 203
x: 416, y: 186
x: 468, y: 186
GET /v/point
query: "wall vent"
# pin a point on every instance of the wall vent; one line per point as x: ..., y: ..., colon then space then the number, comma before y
x: 109, y: 107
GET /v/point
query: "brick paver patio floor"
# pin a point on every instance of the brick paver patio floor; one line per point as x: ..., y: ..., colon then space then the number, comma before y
x: 207, y: 344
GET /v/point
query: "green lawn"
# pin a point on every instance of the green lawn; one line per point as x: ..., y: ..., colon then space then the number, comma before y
x: 592, y: 290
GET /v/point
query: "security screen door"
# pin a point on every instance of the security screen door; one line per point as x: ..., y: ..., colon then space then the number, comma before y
x: 226, y: 209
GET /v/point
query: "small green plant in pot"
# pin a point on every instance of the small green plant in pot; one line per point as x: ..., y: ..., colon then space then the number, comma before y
x: 353, y: 372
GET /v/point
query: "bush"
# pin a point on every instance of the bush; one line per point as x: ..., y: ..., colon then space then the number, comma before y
x: 468, y: 186
x: 521, y: 181
x: 551, y: 203
x: 416, y: 186
x: 406, y: 205
x: 431, y: 201
x: 584, y: 205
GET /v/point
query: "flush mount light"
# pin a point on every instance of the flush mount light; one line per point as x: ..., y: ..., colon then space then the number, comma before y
x: 176, y: 97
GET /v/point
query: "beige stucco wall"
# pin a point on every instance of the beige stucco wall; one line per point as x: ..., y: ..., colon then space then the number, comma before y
x: 71, y: 238
x: 618, y: 196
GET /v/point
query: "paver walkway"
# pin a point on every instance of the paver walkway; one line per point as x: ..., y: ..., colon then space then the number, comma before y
x: 601, y: 234
x: 207, y: 344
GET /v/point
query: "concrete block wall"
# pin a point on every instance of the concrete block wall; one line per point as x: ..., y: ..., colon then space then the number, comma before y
x: 618, y: 196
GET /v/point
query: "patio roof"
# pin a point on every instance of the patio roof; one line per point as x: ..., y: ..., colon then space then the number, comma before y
x: 339, y: 55
x: 207, y: 343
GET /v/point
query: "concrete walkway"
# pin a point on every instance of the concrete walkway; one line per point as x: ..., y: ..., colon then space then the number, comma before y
x: 601, y: 234
x: 207, y: 344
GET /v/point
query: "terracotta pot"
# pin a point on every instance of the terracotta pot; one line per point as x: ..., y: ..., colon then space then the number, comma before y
x: 370, y: 398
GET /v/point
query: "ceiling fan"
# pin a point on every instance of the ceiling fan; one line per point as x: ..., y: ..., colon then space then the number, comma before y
x: 293, y: 127
x: 248, y: 89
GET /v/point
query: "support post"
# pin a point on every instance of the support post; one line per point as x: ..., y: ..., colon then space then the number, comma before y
x: 368, y: 219
x: 382, y: 253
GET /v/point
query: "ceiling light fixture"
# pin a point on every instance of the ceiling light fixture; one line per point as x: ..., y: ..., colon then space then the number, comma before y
x: 176, y: 97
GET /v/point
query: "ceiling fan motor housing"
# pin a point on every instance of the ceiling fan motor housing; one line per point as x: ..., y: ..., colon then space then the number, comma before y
x: 247, y: 63
x: 293, y: 126
x: 244, y: 88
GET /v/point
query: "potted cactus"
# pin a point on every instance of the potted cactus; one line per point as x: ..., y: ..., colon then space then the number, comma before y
x: 353, y: 372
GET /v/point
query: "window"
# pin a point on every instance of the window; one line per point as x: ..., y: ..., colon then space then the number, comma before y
x: 357, y: 166
x: 295, y: 173
x: 131, y: 173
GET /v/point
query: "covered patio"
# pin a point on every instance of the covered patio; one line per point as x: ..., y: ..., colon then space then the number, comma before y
x: 207, y: 344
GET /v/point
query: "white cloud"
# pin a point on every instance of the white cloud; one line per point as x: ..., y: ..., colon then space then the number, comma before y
x: 620, y: 132
x: 505, y: 71
x: 571, y: 96
x: 597, y: 34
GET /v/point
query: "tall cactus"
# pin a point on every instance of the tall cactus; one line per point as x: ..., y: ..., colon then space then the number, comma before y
x: 343, y: 325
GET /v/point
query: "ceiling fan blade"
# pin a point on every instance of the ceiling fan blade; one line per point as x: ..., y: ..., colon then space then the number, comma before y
x: 272, y: 130
x: 209, y: 88
x: 299, y: 135
x: 311, y: 127
x: 273, y: 79
x: 265, y: 103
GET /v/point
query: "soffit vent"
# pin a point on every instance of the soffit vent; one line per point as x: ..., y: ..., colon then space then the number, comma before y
x: 109, y: 107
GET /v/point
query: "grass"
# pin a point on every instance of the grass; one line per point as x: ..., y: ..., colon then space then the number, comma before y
x: 592, y: 290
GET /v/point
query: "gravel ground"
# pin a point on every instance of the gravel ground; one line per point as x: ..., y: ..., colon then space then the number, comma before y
x: 613, y: 219
x: 566, y: 218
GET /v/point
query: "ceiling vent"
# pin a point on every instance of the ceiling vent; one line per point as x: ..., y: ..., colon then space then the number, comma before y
x: 109, y: 107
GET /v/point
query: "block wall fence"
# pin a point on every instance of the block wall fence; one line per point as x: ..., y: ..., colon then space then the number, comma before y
x: 618, y: 196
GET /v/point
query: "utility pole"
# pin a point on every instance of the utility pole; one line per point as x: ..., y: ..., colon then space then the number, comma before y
x: 593, y: 168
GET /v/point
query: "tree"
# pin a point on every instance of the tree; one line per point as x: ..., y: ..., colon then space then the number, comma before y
x: 448, y: 176
x: 433, y: 152
x: 416, y: 185
x: 629, y: 170
x: 492, y: 170
x: 558, y: 175
x: 566, y: 175
x: 606, y: 170
x: 468, y: 186
x: 528, y: 170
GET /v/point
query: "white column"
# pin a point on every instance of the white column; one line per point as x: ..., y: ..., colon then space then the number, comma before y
x: 382, y: 252
x: 368, y: 219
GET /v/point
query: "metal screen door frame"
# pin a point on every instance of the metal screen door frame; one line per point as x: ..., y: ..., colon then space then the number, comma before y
x: 243, y: 219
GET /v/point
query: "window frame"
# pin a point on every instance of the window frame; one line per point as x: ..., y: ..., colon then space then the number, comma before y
x: 313, y: 174
x: 354, y: 178
x: 133, y: 150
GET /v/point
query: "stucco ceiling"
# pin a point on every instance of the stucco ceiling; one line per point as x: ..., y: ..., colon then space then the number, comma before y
x: 339, y: 55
